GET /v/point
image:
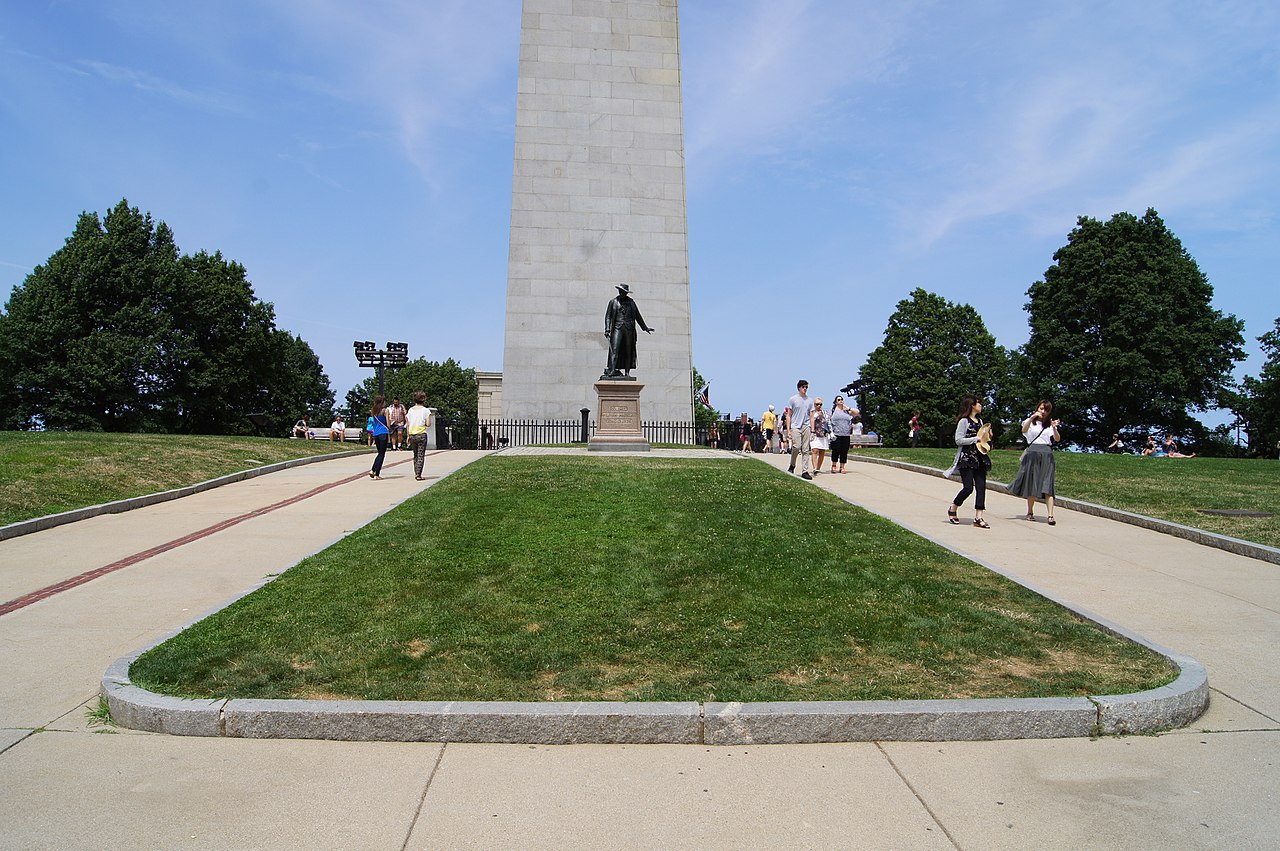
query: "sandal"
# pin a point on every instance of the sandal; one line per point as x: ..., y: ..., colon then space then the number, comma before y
x: 980, y: 523
x: 1031, y: 518
x: 951, y: 516
x: 1052, y: 522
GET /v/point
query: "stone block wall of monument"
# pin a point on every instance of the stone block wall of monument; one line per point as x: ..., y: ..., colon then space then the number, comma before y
x: 598, y: 198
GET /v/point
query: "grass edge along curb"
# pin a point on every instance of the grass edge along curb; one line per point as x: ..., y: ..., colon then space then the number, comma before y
x: 1238, y: 546
x: 688, y: 722
x: 590, y: 722
x: 50, y: 521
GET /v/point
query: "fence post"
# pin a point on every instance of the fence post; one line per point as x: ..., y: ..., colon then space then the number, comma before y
x: 586, y: 436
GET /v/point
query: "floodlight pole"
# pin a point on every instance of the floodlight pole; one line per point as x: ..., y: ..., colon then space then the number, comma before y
x: 369, y: 355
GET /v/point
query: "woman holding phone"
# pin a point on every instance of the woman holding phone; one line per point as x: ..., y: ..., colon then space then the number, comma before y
x: 1035, y: 472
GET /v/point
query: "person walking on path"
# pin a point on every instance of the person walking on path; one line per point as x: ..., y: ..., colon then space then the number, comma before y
x: 395, y: 420
x: 819, y: 441
x: 798, y: 421
x: 418, y: 419
x: 841, y: 428
x: 1035, y: 472
x: 381, y: 430
x: 970, y: 462
x: 914, y: 426
x: 769, y: 424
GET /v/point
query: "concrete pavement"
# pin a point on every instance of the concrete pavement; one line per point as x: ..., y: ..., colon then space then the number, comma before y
x: 65, y: 784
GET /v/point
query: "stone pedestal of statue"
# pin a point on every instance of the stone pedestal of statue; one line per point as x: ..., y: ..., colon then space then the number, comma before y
x: 618, y: 417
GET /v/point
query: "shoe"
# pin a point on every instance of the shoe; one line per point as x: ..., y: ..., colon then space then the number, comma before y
x: 1031, y: 518
x: 805, y: 476
x: 791, y: 469
x: 417, y: 478
x: 1052, y: 522
x: 951, y: 516
x: 980, y: 523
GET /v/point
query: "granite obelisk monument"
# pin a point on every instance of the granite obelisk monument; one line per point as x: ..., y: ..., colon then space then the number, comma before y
x: 597, y: 200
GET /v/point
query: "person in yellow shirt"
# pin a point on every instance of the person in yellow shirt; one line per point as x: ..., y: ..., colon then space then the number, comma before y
x: 418, y: 419
x: 768, y: 424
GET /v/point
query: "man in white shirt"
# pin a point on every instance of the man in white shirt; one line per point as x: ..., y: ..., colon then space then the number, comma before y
x: 799, y: 421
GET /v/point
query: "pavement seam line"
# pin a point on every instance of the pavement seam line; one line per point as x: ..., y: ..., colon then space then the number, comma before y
x: 14, y: 744
x: 1247, y: 706
x: 917, y: 794
x: 422, y: 802
x: 128, y: 561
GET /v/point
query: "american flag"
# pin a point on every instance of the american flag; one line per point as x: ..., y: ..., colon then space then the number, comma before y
x: 704, y: 395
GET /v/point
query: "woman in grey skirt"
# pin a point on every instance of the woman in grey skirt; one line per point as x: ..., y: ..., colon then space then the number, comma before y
x: 1035, y: 473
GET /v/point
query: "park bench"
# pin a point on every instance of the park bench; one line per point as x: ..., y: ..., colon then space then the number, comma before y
x: 864, y: 440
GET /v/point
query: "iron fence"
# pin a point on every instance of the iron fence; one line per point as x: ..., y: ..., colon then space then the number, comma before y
x: 499, y: 434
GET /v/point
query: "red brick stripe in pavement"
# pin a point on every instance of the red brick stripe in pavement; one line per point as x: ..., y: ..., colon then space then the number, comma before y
x: 90, y: 575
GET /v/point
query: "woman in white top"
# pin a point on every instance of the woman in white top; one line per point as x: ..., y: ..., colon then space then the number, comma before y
x: 1035, y: 473
x: 417, y: 419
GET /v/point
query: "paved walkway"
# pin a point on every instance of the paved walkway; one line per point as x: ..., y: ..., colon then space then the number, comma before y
x: 66, y: 784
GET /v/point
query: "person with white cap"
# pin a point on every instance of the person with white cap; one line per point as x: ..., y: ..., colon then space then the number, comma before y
x: 768, y: 423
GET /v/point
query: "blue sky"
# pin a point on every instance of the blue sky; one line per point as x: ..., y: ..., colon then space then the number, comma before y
x: 357, y: 158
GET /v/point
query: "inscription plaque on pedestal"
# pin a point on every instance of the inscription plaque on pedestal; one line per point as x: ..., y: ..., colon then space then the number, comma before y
x: 618, y: 418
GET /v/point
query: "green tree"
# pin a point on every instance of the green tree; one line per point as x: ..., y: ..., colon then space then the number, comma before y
x: 117, y: 332
x: 1258, y: 403
x: 294, y: 384
x: 1124, y: 338
x: 450, y: 389
x: 703, y: 417
x: 934, y: 353
x: 87, y: 333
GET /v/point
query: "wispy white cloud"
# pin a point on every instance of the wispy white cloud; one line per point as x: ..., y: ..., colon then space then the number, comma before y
x: 424, y: 67
x: 152, y: 84
x: 1096, y: 125
x: 769, y: 70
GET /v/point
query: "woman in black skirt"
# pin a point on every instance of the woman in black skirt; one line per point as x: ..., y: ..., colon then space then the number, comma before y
x: 970, y: 463
x: 1035, y: 473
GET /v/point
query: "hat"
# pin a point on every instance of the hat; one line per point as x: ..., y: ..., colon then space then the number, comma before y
x: 623, y: 288
x: 771, y: 407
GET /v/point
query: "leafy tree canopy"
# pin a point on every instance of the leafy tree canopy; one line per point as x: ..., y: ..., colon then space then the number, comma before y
x: 118, y: 332
x: 450, y: 389
x: 1258, y: 403
x: 1124, y: 338
x: 703, y: 417
x: 934, y: 353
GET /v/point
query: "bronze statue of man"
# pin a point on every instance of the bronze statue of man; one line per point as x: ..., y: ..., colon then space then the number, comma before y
x: 620, y: 320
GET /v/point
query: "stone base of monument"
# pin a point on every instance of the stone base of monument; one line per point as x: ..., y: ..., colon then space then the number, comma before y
x: 618, y: 418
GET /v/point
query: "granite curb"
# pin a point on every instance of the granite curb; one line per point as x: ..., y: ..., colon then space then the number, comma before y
x: 515, y: 722
x: 49, y: 521
x: 1209, y: 539
x: 712, y: 723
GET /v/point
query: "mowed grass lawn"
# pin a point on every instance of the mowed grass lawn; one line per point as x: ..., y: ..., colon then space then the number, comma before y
x: 51, y: 472
x: 1168, y: 488
x: 578, y: 578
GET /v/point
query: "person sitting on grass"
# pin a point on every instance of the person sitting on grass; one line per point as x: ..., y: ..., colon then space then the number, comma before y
x: 1171, y: 449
